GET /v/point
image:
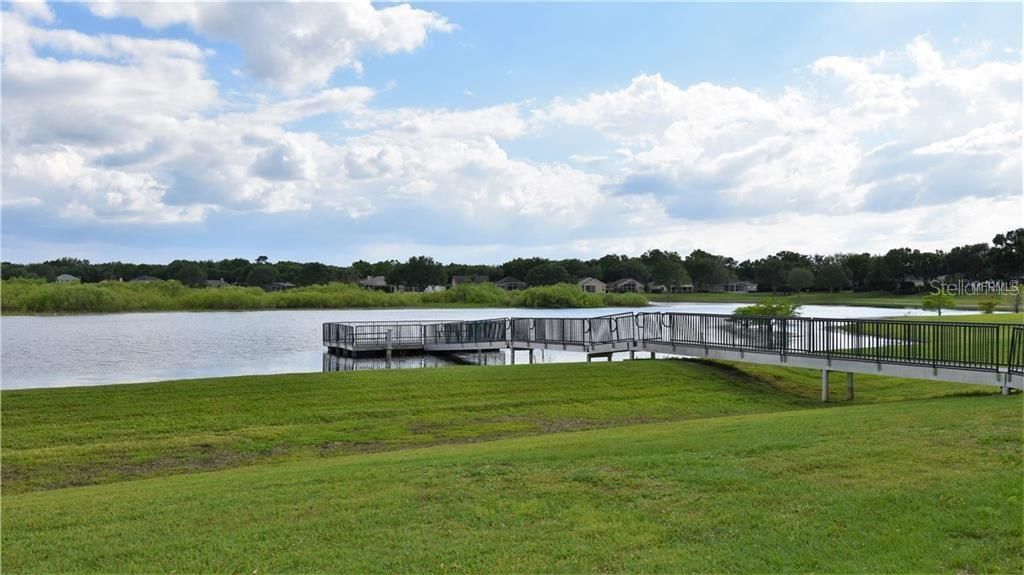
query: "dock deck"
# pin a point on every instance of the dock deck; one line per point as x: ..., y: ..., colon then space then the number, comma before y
x: 973, y: 353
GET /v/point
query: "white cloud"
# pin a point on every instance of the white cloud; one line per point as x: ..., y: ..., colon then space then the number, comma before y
x: 33, y: 10
x: 114, y: 129
x: 950, y: 131
x: 293, y: 46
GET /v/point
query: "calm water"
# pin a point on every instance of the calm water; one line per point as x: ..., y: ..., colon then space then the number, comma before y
x: 124, y: 348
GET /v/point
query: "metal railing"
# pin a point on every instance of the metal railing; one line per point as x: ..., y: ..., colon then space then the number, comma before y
x: 981, y: 346
x: 965, y: 345
x: 1015, y: 361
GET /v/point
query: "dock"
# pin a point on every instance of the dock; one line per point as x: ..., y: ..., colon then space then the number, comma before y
x: 971, y: 353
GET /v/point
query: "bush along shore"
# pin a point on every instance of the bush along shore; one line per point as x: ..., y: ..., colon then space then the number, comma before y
x: 37, y: 297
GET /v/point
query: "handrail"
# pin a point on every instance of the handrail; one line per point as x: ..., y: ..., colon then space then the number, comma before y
x: 935, y: 344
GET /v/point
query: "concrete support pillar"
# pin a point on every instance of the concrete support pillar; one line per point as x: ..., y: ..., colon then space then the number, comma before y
x: 610, y: 356
x: 1005, y: 390
x: 589, y: 357
x: 632, y: 354
x: 652, y: 355
x: 824, y: 386
x: 531, y: 357
x: 849, y: 386
x: 512, y: 354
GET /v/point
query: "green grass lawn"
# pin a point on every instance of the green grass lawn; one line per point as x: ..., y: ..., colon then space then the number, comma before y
x: 663, y: 466
x: 913, y: 486
x: 875, y: 299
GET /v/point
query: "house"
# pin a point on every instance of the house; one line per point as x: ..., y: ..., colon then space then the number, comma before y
x: 734, y: 287
x: 278, y: 286
x: 378, y: 283
x: 592, y: 285
x: 435, y: 289
x: 66, y: 279
x: 510, y: 283
x: 682, y: 288
x: 217, y: 283
x: 144, y: 279
x: 472, y: 279
x: 655, y: 287
x: 626, y: 285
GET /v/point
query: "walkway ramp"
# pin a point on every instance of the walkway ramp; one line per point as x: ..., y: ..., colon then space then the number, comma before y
x: 974, y: 353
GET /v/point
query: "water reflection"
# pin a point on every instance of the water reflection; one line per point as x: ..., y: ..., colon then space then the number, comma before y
x: 52, y: 351
x: 332, y: 362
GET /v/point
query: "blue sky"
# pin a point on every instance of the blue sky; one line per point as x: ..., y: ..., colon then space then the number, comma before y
x: 483, y: 131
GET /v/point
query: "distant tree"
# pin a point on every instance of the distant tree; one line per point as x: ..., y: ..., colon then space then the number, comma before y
x: 707, y: 269
x: 938, y: 302
x: 1007, y: 254
x: 969, y: 261
x: 832, y: 277
x: 546, y: 274
x: 312, y: 273
x: 879, y: 276
x: 262, y: 259
x: 187, y: 272
x: 261, y: 275
x: 666, y: 267
x: 799, y: 279
x: 519, y: 267
x: 628, y: 268
x: 361, y: 268
x: 418, y: 273
x: 859, y: 265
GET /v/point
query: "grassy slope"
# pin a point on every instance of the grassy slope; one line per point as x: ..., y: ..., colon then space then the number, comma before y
x: 924, y: 486
x: 78, y: 436
x: 743, y: 470
x: 876, y: 299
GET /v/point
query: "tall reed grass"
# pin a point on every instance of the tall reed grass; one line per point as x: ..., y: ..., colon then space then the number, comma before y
x: 38, y: 297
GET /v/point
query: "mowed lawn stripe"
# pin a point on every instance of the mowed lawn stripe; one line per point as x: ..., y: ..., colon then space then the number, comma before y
x: 916, y: 486
x: 57, y: 438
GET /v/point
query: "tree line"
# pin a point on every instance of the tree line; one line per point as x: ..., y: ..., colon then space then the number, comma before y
x: 899, y: 269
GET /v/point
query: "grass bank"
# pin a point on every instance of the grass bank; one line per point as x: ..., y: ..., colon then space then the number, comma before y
x: 929, y: 485
x: 20, y: 296
x: 871, y: 299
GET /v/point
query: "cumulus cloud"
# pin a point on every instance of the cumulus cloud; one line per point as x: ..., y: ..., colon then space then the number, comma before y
x: 114, y: 129
x: 947, y: 130
x: 291, y: 45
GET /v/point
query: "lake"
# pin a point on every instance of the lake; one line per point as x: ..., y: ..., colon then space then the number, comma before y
x: 74, y: 350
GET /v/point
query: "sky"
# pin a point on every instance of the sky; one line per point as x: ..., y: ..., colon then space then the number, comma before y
x: 479, y: 132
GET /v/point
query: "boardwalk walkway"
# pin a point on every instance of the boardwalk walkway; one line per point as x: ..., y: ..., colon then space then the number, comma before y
x: 974, y: 353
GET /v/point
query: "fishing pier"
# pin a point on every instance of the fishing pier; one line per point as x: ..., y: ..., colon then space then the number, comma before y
x: 970, y: 353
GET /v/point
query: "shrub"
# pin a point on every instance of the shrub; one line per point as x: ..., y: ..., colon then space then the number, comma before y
x: 937, y: 302
x: 988, y: 305
x: 558, y: 295
x: 769, y: 308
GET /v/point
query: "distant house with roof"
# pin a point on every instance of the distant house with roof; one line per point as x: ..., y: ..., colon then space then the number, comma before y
x: 469, y: 279
x: 592, y: 285
x: 655, y: 287
x: 278, y: 286
x: 143, y: 279
x: 510, y: 283
x: 734, y: 287
x: 626, y: 285
x: 66, y: 279
x: 378, y: 283
x: 217, y: 283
